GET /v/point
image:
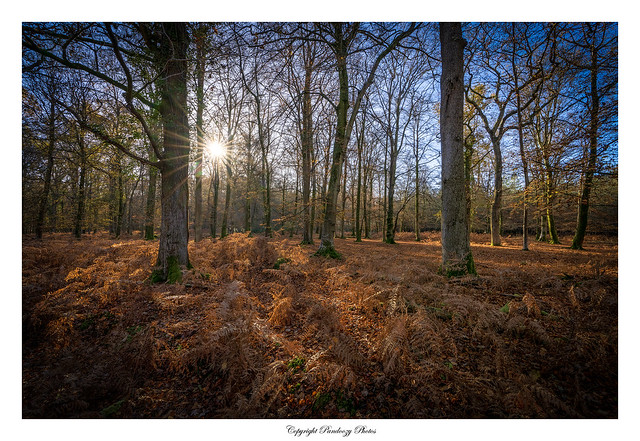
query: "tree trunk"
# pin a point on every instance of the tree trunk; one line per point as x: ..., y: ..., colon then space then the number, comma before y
x: 344, y: 198
x: 119, y: 199
x: 583, y: 207
x: 468, y: 156
x: 496, y: 204
x: 384, y: 196
x: 314, y: 193
x: 247, y: 199
x: 339, y: 146
x: 200, y: 67
x: 542, y: 237
x: 227, y: 201
x: 389, y: 232
x: 266, y: 195
x: 295, y: 220
x: 549, y: 195
x: 307, y: 152
x: 523, y: 158
x: 77, y: 229
x: 368, y: 206
x: 51, y: 140
x: 174, y: 229
x: 150, y: 208
x: 215, y: 182
x: 456, y: 253
x: 358, y: 197
x: 416, y: 206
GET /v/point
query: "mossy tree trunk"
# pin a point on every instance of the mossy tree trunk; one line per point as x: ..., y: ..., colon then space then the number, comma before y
x: 342, y: 36
x: 456, y: 252
x: 171, y: 54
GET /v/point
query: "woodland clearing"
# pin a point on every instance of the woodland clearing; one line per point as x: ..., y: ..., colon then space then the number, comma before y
x: 260, y: 328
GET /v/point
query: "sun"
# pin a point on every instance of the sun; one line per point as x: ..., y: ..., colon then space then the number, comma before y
x: 216, y: 149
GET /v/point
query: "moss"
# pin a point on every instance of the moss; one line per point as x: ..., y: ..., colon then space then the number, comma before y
x: 174, y: 273
x: 328, y: 252
x: 157, y: 276
x: 459, y: 269
x: 296, y: 363
x: 280, y: 261
x: 321, y: 401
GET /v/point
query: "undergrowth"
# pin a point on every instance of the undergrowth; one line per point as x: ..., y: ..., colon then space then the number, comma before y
x: 247, y: 333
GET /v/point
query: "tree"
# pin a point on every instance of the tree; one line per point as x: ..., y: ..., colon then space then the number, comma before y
x: 341, y: 38
x: 123, y: 55
x: 456, y: 252
x: 600, y: 43
x: 49, y: 88
x: 201, y: 42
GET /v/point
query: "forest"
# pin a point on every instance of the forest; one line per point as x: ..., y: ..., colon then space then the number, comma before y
x: 338, y: 220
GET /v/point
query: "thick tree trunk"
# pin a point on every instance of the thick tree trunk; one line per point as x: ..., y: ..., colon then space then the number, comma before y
x: 340, y: 143
x: 456, y: 252
x: 174, y: 230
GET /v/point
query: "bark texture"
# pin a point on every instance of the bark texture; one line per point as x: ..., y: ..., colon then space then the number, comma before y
x: 456, y: 252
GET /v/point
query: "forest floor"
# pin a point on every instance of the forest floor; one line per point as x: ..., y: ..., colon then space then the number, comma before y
x: 261, y: 328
